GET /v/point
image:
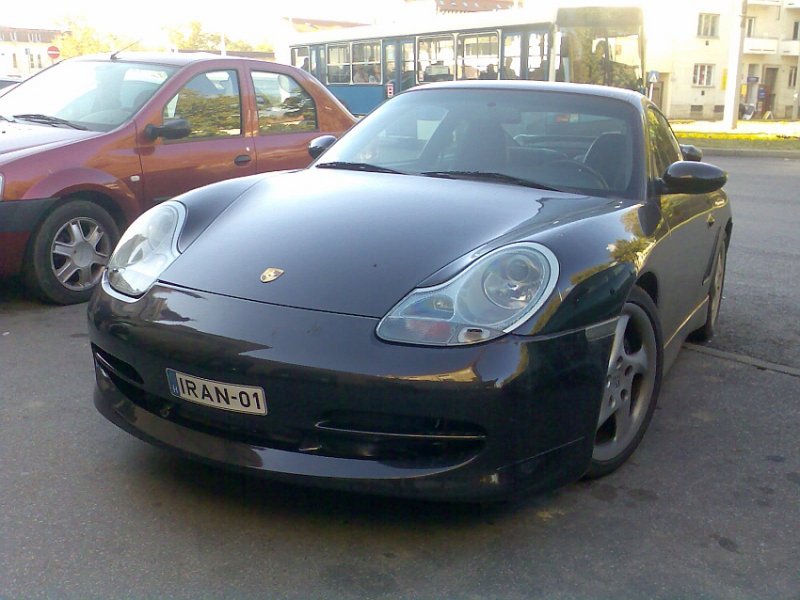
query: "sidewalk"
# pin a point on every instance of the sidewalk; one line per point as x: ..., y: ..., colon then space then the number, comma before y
x: 777, y: 128
x: 724, y: 141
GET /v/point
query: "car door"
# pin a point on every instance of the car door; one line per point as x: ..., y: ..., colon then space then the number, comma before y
x: 684, y: 261
x: 218, y: 146
x: 288, y: 120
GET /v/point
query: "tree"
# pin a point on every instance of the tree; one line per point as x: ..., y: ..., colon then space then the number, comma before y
x: 79, y: 38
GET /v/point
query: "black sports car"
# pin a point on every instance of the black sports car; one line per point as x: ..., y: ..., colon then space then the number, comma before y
x: 476, y: 290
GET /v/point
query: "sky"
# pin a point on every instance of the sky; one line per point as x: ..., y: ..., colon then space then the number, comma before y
x: 247, y: 21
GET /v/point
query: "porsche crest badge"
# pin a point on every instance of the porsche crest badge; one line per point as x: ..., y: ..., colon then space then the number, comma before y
x: 271, y: 274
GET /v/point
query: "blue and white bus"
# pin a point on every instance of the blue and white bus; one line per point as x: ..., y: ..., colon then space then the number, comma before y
x: 363, y: 66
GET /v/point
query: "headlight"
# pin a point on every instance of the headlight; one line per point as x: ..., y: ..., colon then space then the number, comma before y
x: 148, y: 247
x: 489, y: 298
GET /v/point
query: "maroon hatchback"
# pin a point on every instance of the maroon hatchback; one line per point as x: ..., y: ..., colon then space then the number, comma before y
x: 90, y: 143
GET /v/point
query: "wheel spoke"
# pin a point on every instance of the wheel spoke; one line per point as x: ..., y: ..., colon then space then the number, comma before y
x: 617, y: 348
x: 95, y: 236
x: 76, y: 231
x: 639, y: 360
x: 63, y: 248
x: 66, y: 271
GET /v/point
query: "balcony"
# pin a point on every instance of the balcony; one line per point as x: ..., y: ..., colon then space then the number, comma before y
x: 792, y: 4
x: 790, y: 48
x: 755, y: 45
x: 765, y: 2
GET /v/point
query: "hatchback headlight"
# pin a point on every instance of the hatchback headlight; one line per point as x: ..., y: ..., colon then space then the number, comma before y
x: 488, y: 299
x: 146, y: 249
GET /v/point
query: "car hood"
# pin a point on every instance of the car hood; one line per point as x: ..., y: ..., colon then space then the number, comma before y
x: 17, y: 137
x: 356, y: 243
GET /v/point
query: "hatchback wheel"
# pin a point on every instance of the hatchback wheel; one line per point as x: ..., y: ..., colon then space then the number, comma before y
x: 632, y: 384
x: 69, y: 252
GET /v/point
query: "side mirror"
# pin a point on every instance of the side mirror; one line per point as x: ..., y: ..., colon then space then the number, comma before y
x: 318, y: 145
x: 687, y: 177
x: 172, y: 129
x: 692, y: 153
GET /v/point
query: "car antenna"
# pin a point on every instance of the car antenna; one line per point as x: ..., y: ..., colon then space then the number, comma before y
x: 114, y: 54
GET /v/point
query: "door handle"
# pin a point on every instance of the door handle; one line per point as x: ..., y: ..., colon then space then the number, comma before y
x: 242, y: 159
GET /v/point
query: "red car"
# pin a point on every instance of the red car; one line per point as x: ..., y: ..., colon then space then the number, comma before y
x: 90, y: 143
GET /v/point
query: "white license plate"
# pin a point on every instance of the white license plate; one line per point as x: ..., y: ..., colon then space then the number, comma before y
x: 217, y: 394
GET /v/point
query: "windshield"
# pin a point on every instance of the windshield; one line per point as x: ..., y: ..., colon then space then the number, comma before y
x: 95, y: 95
x: 564, y: 141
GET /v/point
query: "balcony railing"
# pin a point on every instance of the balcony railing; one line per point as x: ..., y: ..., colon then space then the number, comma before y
x: 755, y: 45
x: 764, y: 2
x: 790, y: 48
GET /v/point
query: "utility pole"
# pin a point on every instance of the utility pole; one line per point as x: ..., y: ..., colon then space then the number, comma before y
x: 730, y: 115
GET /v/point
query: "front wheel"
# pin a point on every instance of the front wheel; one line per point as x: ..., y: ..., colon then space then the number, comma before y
x: 632, y: 384
x: 69, y: 251
x: 709, y: 328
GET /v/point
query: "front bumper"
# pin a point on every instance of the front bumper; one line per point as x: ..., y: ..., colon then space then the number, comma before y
x: 346, y: 410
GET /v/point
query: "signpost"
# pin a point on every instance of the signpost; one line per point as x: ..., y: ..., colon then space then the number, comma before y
x: 53, y: 52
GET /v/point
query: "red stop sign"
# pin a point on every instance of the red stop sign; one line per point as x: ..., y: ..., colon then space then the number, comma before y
x: 53, y: 52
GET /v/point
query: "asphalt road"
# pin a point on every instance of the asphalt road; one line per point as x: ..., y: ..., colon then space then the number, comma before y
x: 706, y: 509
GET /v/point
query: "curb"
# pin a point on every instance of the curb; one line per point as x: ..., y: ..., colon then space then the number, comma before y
x: 787, y: 154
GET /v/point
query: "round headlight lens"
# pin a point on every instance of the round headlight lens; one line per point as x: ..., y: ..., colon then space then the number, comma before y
x: 148, y: 247
x: 489, y: 298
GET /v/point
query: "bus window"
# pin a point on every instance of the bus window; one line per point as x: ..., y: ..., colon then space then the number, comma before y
x: 537, y: 56
x: 339, y: 63
x: 436, y: 58
x: 478, y: 56
x: 301, y: 59
x: 512, y: 53
x: 366, y: 62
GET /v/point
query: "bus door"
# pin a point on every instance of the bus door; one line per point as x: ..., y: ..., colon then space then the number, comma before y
x: 318, y: 69
x: 399, y: 66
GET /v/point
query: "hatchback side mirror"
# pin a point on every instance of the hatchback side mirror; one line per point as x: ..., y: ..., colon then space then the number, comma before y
x: 688, y: 177
x: 172, y: 129
x: 318, y: 145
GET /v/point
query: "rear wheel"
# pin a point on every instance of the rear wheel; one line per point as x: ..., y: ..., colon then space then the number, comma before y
x: 632, y: 384
x: 69, y: 251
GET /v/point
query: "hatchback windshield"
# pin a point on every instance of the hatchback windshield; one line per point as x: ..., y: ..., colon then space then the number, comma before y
x: 95, y: 95
x: 564, y: 141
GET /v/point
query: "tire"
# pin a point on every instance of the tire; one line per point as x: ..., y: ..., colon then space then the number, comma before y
x: 632, y: 385
x: 68, y: 252
x: 717, y: 284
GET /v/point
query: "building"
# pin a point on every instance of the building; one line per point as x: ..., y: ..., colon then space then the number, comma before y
x: 24, y: 52
x: 688, y: 46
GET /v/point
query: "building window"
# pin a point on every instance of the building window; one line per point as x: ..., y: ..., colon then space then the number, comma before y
x: 14, y: 60
x: 792, y: 77
x: 703, y: 75
x: 13, y: 36
x: 796, y: 31
x: 708, y: 25
x: 750, y: 27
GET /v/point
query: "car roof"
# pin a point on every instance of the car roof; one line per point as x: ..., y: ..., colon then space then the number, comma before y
x: 629, y: 96
x: 176, y: 59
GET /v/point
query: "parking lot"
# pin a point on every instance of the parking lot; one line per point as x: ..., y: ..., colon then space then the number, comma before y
x: 707, y: 507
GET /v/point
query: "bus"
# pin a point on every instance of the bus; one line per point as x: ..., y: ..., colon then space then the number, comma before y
x: 364, y: 65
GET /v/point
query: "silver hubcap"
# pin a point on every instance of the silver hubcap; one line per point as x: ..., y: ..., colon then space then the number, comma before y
x: 80, y: 251
x: 629, y: 384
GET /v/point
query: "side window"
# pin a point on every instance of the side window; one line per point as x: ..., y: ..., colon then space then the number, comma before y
x: 663, y: 145
x: 211, y: 103
x: 283, y: 105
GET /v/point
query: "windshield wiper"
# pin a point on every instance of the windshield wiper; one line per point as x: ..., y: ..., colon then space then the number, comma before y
x: 48, y: 120
x: 356, y: 166
x: 487, y: 176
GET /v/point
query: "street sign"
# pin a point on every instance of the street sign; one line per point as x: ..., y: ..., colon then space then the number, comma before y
x: 53, y: 52
x: 752, y: 79
x: 652, y: 77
